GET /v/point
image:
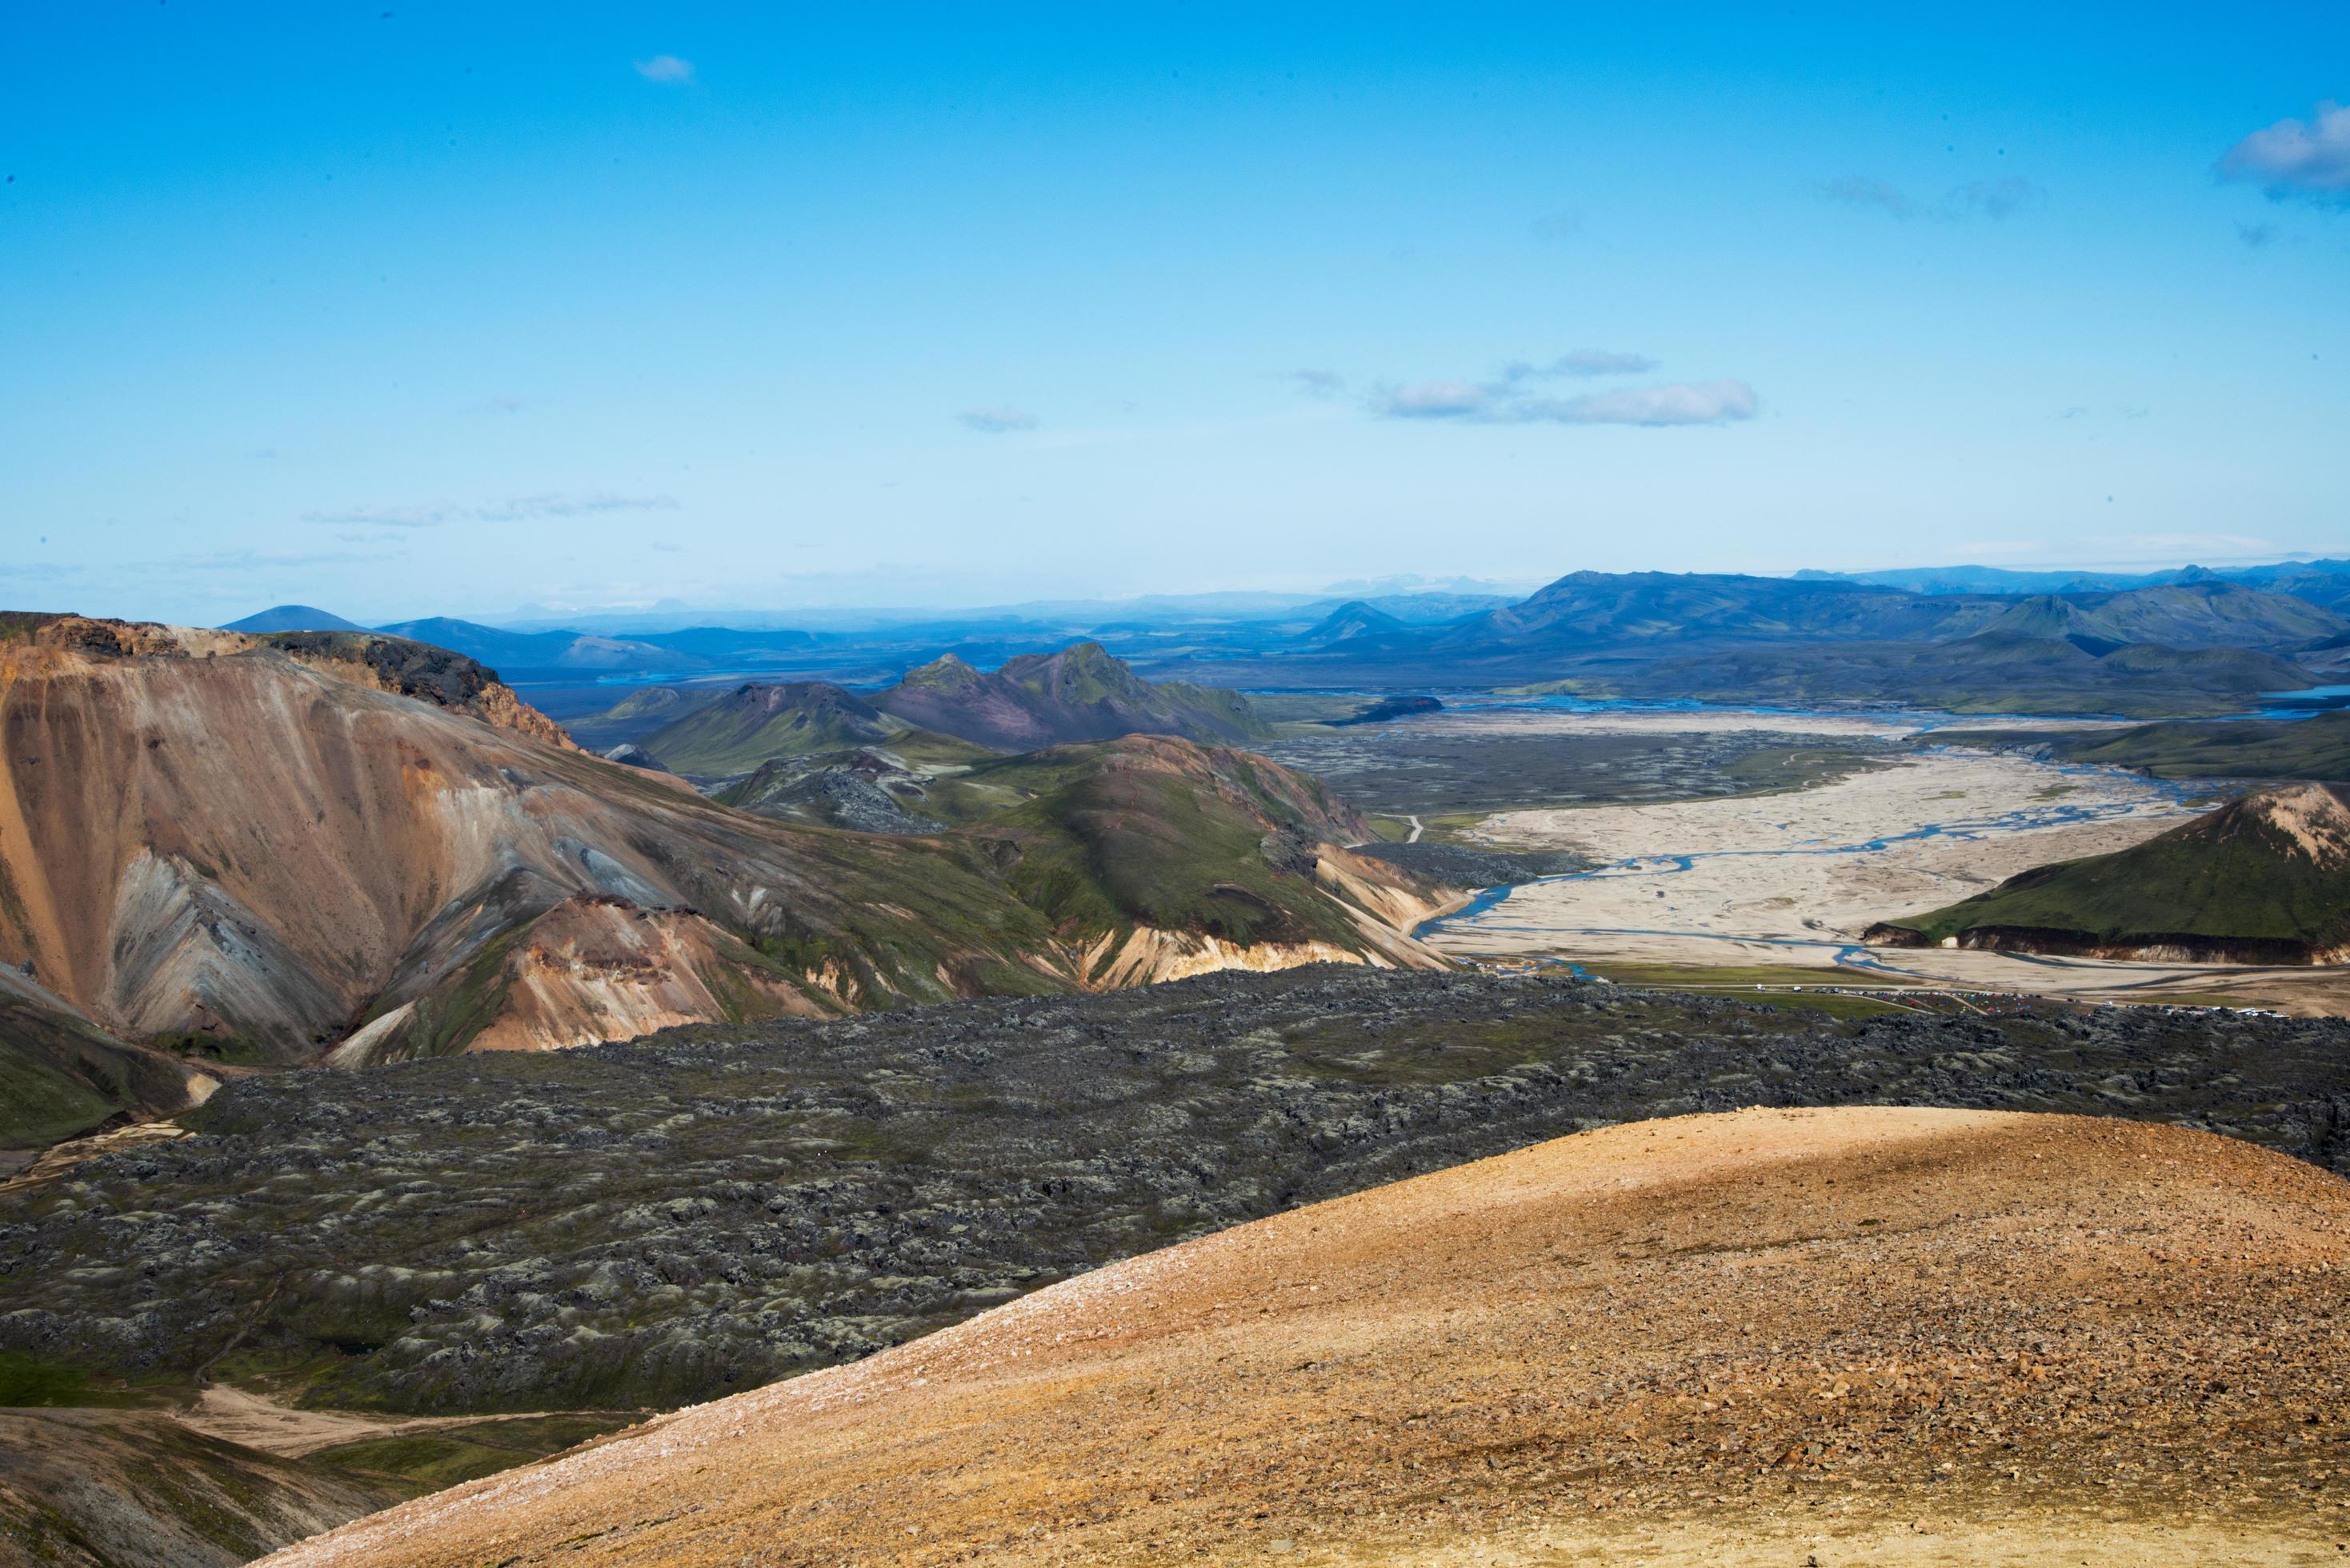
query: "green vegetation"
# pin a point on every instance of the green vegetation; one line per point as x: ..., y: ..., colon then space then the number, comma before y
x: 2267, y: 877
x: 753, y: 723
x: 25, y: 1382
x: 1154, y: 833
x: 2317, y: 747
x: 40, y: 1105
x: 59, y: 1077
x: 421, y: 1462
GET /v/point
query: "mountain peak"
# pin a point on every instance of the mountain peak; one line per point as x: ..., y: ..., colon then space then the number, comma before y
x: 294, y: 617
x: 2309, y: 817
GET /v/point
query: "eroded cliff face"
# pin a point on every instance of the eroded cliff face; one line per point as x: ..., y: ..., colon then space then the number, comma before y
x: 215, y: 839
x: 274, y: 848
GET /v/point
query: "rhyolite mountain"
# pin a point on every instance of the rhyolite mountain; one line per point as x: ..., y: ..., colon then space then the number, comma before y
x: 2263, y: 879
x: 258, y: 849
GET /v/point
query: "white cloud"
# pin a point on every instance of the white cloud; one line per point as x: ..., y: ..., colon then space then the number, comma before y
x: 1000, y: 419
x: 1434, y: 401
x: 2309, y: 158
x: 1670, y: 403
x: 1509, y: 400
x: 667, y: 70
x: 1506, y: 399
x: 1580, y: 362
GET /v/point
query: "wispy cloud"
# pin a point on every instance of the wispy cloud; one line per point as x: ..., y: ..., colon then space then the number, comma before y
x: 2294, y: 158
x: 2256, y: 236
x: 1515, y: 396
x: 1000, y: 419
x: 1580, y: 362
x: 1551, y: 227
x: 667, y: 70
x: 512, y: 509
x: 1994, y: 199
x: 1315, y: 383
x: 1672, y: 403
x: 1857, y: 191
x: 1668, y: 403
x: 1436, y: 400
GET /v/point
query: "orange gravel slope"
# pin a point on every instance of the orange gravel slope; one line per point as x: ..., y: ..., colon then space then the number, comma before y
x: 1878, y: 1334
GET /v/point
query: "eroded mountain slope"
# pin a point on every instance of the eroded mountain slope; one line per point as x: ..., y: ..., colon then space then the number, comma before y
x: 2003, y: 1334
x: 254, y: 845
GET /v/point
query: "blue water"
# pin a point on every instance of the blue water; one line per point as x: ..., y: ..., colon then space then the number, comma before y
x: 2306, y: 703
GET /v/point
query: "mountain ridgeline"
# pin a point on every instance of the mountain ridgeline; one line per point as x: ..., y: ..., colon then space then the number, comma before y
x: 1080, y: 693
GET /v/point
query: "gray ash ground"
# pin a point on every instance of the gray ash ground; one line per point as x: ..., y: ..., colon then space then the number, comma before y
x: 1449, y: 766
x: 709, y: 1208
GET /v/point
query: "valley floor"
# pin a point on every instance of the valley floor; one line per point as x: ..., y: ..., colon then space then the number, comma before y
x: 1794, y: 879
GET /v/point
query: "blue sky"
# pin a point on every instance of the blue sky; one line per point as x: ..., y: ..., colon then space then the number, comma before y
x: 412, y: 307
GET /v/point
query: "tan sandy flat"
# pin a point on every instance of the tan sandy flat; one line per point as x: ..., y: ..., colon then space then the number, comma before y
x: 1876, y: 1334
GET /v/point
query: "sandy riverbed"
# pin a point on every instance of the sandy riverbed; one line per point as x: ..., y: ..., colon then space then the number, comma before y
x: 1816, y: 865
x: 1793, y: 879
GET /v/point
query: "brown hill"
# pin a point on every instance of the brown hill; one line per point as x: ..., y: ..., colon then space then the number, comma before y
x: 1877, y: 1334
x: 1081, y: 694
x: 249, y: 846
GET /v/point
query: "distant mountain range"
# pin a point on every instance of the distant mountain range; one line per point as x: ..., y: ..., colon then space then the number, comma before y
x: 1969, y: 638
x: 2263, y: 879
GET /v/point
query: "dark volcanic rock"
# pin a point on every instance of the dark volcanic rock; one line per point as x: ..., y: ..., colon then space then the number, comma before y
x: 1389, y: 707
x: 1460, y: 866
x: 699, y: 1211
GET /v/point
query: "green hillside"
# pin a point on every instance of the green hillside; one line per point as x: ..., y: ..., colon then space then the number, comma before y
x: 756, y: 721
x: 1153, y: 831
x: 2266, y: 878
x: 2313, y: 748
